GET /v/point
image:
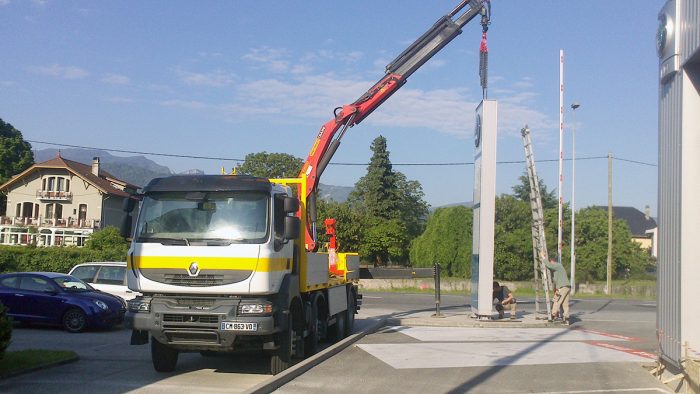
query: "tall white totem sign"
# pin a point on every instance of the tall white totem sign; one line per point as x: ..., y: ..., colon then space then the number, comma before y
x: 484, y: 208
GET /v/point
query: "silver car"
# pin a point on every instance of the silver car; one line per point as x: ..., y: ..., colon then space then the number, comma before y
x: 107, y: 276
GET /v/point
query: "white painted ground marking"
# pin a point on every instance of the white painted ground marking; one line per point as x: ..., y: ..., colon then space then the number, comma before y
x: 461, y: 355
x: 464, y: 334
x: 637, y: 390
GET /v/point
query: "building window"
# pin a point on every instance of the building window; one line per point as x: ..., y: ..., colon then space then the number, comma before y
x: 49, y: 211
x: 82, y: 215
x: 27, y: 210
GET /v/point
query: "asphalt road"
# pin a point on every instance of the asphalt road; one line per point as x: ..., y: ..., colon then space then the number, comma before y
x: 108, y: 364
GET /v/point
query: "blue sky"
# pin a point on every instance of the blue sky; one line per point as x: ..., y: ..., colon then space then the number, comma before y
x: 228, y: 78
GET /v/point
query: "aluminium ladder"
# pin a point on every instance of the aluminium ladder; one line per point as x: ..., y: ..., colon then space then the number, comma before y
x: 539, y: 243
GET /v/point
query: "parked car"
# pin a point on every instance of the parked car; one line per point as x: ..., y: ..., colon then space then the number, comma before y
x: 107, y: 276
x: 60, y: 299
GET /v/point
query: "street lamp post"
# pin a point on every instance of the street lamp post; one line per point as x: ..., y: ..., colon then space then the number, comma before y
x: 574, y: 106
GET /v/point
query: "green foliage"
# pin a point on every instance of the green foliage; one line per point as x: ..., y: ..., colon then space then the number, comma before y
x: 513, y: 239
x: 15, y: 156
x: 393, y: 208
x: 447, y: 240
x: 521, y: 191
x: 108, y: 242
x: 5, y: 330
x: 592, y: 248
x: 385, y: 241
x: 15, y: 153
x: 107, y: 245
x: 270, y: 165
x: 350, y: 225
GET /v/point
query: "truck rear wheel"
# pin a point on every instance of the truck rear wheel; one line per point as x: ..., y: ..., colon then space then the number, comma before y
x: 315, y: 326
x: 350, y: 312
x: 336, y: 332
x: 164, y: 358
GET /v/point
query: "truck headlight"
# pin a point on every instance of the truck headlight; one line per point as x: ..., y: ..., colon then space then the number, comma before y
x: 139, y: 305
x: 255, y: 309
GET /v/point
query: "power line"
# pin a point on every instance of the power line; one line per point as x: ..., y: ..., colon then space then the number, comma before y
x: 137, y: 152
x: 447, y: 164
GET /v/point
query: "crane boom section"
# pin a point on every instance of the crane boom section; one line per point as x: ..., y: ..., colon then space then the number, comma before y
x: 396, y: 74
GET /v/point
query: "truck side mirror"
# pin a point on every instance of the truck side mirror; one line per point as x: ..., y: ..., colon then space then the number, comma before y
x: 125, y: 229
x: 292, y: 225
x: 291, y: 205
x: 128, y: 204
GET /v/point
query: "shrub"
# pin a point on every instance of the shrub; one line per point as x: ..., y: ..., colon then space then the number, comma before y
x: 5, y: 330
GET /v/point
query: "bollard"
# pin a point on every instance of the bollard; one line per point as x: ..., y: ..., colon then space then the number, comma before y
x: 436, y: 274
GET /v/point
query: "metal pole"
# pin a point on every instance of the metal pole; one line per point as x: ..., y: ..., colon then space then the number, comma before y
x: 436, y: 268
x: 561, y: 152
x: 610, y: 214
x: 574, y: 106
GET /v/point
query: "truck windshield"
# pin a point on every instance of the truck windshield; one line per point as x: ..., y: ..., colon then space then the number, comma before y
x: 215, y: 218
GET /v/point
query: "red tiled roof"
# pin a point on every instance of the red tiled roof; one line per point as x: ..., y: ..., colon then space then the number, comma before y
x: 82, y: 170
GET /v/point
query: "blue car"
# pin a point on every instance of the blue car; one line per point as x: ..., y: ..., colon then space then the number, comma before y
x: 59, y: 299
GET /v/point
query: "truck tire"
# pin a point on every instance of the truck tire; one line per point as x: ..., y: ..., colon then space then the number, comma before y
x: 336, y: 332
x: 350, y: 312
x: 164, y: 358
x: 312, y: 340
x: 282, y: 358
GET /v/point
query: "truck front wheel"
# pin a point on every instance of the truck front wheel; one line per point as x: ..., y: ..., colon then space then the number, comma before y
x: 282, y: 357
x: 164, y: 358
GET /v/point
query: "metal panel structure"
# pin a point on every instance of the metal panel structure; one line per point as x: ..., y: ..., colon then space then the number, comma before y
x: 485, y: 133
x: 669, y: 311
x: 678, y: 45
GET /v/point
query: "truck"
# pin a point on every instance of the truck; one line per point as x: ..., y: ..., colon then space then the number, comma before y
x: 221, y: 262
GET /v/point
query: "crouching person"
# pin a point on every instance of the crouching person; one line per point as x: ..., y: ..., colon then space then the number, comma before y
x: 505, y: 298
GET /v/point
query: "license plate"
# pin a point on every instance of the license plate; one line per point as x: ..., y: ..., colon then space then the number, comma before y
x: 236, y: 326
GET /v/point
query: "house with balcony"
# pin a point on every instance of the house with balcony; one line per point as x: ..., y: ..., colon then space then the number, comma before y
x: 61, y: 202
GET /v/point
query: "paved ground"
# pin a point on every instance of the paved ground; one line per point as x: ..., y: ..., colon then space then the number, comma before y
x: 603, y: 351
x: 108, y: 364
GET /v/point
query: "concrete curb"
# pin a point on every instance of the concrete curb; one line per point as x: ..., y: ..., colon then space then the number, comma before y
x: 298, y: 369
x: 40, y: 367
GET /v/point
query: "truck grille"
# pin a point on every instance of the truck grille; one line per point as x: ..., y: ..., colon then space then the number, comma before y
x: 180, y: 277
x: 178, y: 318
x: 193, y: 281
x: 195, y: 302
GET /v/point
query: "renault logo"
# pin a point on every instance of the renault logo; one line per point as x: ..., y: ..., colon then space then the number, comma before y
x: 194, y: 269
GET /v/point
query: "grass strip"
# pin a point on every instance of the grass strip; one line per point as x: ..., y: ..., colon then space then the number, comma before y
x: 17, y: 362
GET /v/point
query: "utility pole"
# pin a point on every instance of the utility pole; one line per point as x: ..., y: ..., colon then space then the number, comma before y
x: 574, y: 106
x: 608, y: 288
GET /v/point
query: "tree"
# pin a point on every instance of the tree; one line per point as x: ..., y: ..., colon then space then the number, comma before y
x: 592, y: 247
x: 270, y: 165
x: 521, y: 191
x: 389, y: 202
x: 15, y: 156
x: 447, y: 240
x: 349, y: 227
x: 513, y: 239
x: 376, y: 192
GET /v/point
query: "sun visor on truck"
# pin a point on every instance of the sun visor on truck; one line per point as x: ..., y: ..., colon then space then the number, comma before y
x: 208, y: 183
